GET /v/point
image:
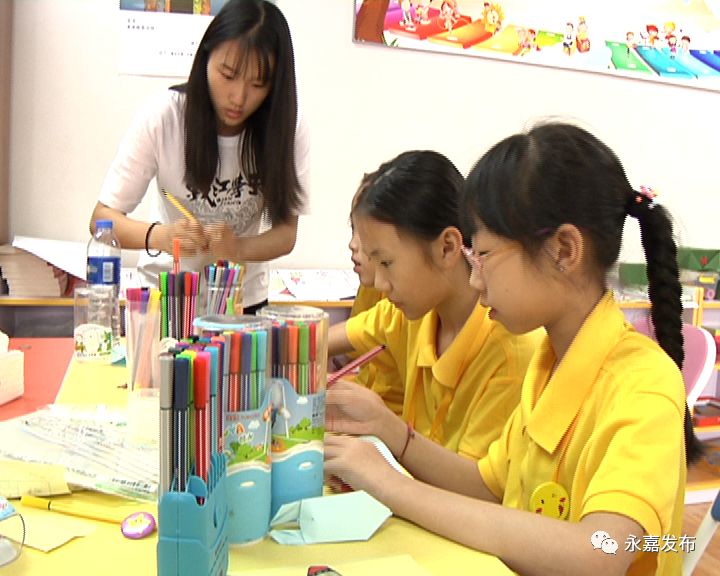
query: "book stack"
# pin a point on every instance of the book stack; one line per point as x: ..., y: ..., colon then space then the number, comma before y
x: 25, y: 275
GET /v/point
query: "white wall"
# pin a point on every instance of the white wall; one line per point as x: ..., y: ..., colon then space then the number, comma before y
x: 365, y: 103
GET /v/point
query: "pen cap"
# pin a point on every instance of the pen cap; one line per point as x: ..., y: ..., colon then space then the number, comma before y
x: 181, y: 383
x: 190, y: 355
x: 215, y: 351
x: 247, y: 353
x: 201, y: 378
x: 292, y: 344
x: 167, y: 362
x: 303, y: 344
x: 262, y: 351
x: 308, y: 346
x: 235, y: 348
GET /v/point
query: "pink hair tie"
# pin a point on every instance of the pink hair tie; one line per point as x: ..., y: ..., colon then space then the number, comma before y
x: 648, y: 192
x: 640, y: 201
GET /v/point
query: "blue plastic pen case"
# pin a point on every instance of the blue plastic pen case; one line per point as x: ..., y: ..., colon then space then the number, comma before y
x: 192, y: 526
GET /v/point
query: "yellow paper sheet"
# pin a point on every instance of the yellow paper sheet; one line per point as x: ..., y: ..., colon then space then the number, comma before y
x: 18, y: 478
x: 403, y: 564
x: 45, y: 530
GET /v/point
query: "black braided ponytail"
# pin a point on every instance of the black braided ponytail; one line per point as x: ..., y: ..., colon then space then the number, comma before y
x: 664, y: 290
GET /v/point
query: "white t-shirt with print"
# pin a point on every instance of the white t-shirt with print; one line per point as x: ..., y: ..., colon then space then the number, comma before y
x: 154, y: 147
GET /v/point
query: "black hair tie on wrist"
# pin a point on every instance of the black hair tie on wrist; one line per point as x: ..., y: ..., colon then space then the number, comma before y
x: 147, y: 240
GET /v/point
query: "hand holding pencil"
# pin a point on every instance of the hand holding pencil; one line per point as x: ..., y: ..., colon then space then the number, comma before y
x: 187, y: 229
x: 222, y: 242
x: 191, y: 236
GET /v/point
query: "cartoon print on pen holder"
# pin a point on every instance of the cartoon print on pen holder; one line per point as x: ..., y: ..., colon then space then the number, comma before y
x: 239, y: 442
x: 302, y: 430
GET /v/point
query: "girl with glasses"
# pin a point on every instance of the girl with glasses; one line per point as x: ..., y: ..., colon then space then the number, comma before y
x: 594, y: 457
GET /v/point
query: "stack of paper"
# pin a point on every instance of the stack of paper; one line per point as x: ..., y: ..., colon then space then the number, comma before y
x: 27, y: 275
x: 41, y: 267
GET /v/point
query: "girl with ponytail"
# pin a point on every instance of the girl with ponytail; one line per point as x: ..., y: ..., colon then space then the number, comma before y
x: 594, y: 457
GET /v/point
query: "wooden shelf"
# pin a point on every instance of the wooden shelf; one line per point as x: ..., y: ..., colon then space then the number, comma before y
x: 13, y: 301
x: 48, y: 301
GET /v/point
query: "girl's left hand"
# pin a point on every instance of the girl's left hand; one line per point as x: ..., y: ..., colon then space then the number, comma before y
x: 356, y: 463
x: 222, y: 242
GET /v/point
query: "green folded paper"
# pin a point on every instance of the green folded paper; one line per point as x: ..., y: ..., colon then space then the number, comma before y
x: 350, y: 516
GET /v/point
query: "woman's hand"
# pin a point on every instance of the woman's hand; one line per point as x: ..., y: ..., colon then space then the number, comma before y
x: 191, y: 235
x: 353, y: 462
x: 222, y: 241
x: 354, y: 409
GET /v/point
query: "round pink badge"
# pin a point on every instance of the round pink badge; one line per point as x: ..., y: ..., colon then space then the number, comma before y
x: 138, y: 525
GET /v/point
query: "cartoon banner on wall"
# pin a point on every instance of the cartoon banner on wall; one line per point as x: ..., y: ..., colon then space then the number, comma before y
x: 676, y: 41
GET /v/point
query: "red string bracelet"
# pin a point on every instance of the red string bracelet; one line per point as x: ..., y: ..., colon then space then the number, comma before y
x: 410, y: 436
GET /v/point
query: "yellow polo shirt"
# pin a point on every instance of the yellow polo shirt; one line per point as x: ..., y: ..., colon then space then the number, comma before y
x: 463, y: 398
x: 380, y: 374
x: 608, y: 427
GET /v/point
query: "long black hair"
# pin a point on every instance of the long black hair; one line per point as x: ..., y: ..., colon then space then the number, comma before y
x: 529, y: 184
x: 268, y: 146
x: 418, y: 192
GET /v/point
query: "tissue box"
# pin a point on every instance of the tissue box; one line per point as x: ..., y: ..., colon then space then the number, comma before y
x: 12, y: 375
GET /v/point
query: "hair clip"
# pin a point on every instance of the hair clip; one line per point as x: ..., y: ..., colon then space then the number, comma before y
x: 640, y: 202
x: 648, y: 194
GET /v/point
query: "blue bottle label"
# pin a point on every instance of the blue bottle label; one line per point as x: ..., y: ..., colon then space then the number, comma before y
x: 103, y: 270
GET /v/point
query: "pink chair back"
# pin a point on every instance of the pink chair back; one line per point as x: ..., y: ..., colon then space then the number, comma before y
x: 700, y: 354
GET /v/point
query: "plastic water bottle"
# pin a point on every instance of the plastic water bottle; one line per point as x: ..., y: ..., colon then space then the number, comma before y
x: 103, y: 268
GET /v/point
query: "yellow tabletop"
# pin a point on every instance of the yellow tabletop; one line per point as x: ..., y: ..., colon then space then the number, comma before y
x: 106, y: 551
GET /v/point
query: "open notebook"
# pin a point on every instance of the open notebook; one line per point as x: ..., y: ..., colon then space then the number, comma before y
x: 385, y: 451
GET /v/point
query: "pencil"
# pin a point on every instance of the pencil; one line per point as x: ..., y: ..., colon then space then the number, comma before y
x: 175, y: 202
x: 66, y: 507
x: 335, y: 376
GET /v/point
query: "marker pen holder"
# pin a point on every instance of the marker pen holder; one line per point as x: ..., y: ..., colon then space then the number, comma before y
x: 247, y: 422
x: 223, y: 289
x: 299, y: 358
x: 192, y: 526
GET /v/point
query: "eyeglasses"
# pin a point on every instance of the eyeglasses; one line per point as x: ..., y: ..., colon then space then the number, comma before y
x: 477, y: 260
x: 12, y: 533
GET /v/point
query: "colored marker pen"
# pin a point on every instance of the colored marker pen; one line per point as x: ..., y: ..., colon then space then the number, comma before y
x: 303, y: 359
x: 245, y: 371
x: 201, y: 377
x: 167, y: 362
x: 261, y: 363
x: 292, y: 357
x: 181, y: 388
x: 234, y: 384
x: 313, y: 358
